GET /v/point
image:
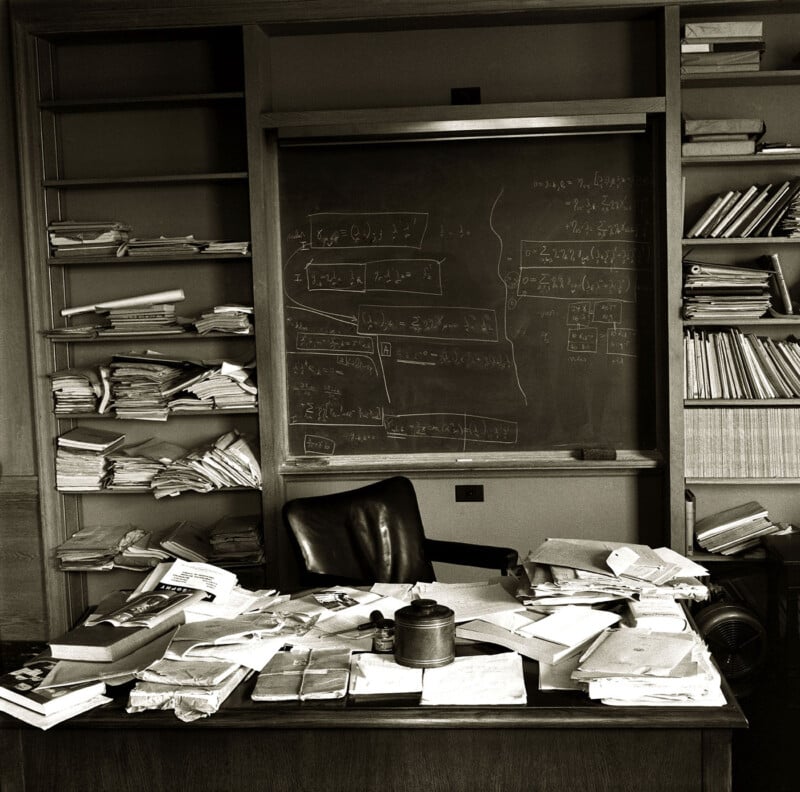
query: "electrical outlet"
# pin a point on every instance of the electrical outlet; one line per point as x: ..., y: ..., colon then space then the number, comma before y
x: 469, y: 493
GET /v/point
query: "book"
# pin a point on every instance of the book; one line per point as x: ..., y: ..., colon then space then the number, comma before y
x: 47, y: 721
x: 730, y: 44
x: 736, y: 535
x: 728, y: 518
x: 22, y: 687
x: 780, y: 282
x: 720, y: 68
x: 711, y: 212
x: 147, y: 609
x: 712, y: 148
x: 728, y: 28
x: 107, y: 642
x: 91, y: 439
x: 767, y: 207
x: 730, y: 57
x: 736, y: 228
x: 735, y: 211
x: 189, y: 541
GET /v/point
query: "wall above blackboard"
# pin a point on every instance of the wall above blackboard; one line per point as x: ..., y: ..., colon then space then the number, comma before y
x: 468, y: 296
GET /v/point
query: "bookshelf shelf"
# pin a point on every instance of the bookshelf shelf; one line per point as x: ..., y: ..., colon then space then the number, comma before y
x: 175, y: 178
x: 148, y: 491
x: 769, y: 241
x: 102, y: 261
x: 92, y: 416
x: 119, y: 102
x: 130, y: 337
x: 690, y: 403
x: 741, y: 159
x: 767, y: 322
x: 742, y: 79
x: 744, y: 481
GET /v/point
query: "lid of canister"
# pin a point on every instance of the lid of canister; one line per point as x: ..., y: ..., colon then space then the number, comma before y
x: 423, y: 611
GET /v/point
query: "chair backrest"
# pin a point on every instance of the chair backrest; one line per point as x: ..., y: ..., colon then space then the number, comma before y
x: 365, y: 535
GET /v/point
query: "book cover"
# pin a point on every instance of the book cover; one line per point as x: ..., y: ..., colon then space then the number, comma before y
x: 780, y: 283
x: 91, y: 439
x: 758, y: 220
x: 751, y: 28
x: 711, y: 211
x: 716, y: 148
x: 729, y: 518
x: 106, y: 642
x: 736, y: 228
x: 189, y: 541
x: 22, y: 687
x: 708, y: 58
x: 735, y: 211
x: 723, y: 45
x: 46, y: 721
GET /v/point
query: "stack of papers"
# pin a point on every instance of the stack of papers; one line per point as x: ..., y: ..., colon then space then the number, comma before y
x: 304, y: 675
x: 82, y: 458
x: 95, y: 547
x: 230, y: 461
x: 633, y: 666
x: 94, y: 238
x: 76, y: 391
x: 226, y: 387
x: 237, y: 319
x: 215, y: 248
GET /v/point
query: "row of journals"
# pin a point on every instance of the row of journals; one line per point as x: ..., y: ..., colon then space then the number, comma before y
x: 742, y: 442
x: 756, y: 211
x: 730, y: 364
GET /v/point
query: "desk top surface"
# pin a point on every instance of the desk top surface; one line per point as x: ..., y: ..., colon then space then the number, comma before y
x: 545, y: 710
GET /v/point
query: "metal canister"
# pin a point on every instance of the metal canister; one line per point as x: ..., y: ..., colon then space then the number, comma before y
x: 425, y: 635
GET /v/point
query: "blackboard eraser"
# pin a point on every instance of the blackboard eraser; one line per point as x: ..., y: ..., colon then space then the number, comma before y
x: 598, y: 453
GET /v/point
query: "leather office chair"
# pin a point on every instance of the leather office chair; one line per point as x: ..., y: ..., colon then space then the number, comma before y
x: 374, y: 534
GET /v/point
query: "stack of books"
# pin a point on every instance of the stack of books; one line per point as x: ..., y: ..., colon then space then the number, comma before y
x: 82, y: 458
x: 718, y: 291
x: 93, y: 548
x: 133, y: 468
x: 236, y: 541
x: 23, y: 697
x: 730, y: 364
x: 142, y: 320
x: 237, y: 319
x: 736, y: 529
x: 789, y: 222
x: 706, y: 137
x: 97, y: 238
x: 753, y: 211
x: 215, y: 248
x: 230, y: 461
x: 722, y: 46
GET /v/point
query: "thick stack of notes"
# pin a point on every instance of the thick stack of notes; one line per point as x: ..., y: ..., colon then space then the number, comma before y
x: 722, y: 46
x: 142, y: 320
x: 718, y: 291
x: 22, y: 696
x: 230, y: 461
x: 133, y: 467
x: 82, y: 458
x: 736, y: 529
x: 143, y: 384
x: 631, y: 666
x: 730, y: 364
x: 159, y: 247
x: 754, y: 211
x: 95, y: 547
x: 706, y: 137
x: 304, y: 675
x: 79, y: 390
x: 98, y: 238
x: 236, y: 319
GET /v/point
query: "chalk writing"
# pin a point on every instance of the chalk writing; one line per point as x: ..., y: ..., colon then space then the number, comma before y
x: 421, y: 276
x: 561, y: 283
x: 622, y: 341
x: 367, y: 229
x: 451, y: 322
x: 316, y: 444
x: 582, y: 339
x: 596, y: 253
x: 485, y: 358
x: 329, y: 342
x: 452, y: 426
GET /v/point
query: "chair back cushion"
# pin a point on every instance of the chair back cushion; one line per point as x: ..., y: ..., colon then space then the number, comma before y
x: 372, y: 534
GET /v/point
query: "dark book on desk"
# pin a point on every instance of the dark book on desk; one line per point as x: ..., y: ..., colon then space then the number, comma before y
x: 106, y: 642
x: 21, y: 687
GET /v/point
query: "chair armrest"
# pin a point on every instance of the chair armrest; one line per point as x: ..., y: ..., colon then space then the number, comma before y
x: 503, y: 559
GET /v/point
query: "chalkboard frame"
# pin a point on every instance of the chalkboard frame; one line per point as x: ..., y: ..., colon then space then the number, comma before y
x: 381, y: 126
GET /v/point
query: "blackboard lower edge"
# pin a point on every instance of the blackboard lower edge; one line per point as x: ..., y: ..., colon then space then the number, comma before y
x: 535, y: 463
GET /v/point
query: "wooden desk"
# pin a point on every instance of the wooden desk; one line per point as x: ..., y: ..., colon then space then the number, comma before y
x: 560, y: 741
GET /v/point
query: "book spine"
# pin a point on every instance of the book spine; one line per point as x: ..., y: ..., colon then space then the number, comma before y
x: 780, y: 282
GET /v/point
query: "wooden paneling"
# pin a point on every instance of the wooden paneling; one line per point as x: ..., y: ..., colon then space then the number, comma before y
x: 22, y: 608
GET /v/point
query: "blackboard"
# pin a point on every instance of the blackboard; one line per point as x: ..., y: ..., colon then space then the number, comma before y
x: 468, y: 295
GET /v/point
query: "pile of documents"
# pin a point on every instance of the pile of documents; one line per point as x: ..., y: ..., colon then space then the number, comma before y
x: 643, y: 667
x: 236, y: 540
x: 95, y: 547
x: 236, y: 319
x: 735, y: 529
x: 718, y: 291
x: 82, y: 461
x: 215, y: 248
x: 158, y: 247
x: 229, y: 386
x: 142, y: 384
x: 94, y: 238
x: 134, y: 467
x: 230, y: 461
x: 78, y: 390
